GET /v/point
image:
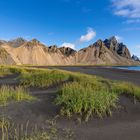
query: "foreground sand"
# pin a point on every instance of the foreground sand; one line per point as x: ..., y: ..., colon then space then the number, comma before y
x: 125, y: 122
x: 123, y: 125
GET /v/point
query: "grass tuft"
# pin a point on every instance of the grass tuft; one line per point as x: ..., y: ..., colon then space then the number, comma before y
x: 13, y: 131
x: 126, y: 89
x: 43, y: 78
x: 86, y: 100
x: 16, y: 94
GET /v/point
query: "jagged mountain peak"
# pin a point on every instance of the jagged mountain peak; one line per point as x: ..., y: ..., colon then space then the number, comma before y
x: 17, y: 42
x: 67, y: 51
x: 117, y: 48
x: 123, y: 51
x: 33, y: 43
x: 18, y: 39
x: 34, y: 40
x: 66, y: 48
x: 53, y: 46
x: 122, y: 45
x: 135, y: 58
x: 111, y: 43
x: 113, y: 38
x: 98, y: 43
x: 53, y: 49
x: 4, y: 41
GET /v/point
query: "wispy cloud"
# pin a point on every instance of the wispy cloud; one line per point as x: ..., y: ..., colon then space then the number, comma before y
x: 91, y: 34
x: 129, y: 9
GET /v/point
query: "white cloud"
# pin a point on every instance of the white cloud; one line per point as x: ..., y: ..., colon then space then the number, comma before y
x: 119, y: 38
x: 89, y: 36
x: 127, y: 8
x: 70, y: 45
x: 84, y: 38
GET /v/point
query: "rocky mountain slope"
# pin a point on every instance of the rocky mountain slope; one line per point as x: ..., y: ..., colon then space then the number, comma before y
x: 21, y: 51
x: 135, y: 58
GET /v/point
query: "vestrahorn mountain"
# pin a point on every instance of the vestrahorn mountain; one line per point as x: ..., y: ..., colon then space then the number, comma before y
x: 109, y: 52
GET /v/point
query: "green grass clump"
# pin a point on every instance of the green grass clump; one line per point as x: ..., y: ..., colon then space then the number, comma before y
x: 126, y: 89
x: 7, y: 70
x: 17, y: 70
x: 16, y: 94
x: 85, y: 99
x: 4, y: 71
x: 43, y: 78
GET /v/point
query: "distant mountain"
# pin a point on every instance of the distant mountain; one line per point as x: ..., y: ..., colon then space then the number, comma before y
x: 135, y: 58
x: 2, y: 41
x: 20, y: 51
x: 118, y: 48
x: 17, y: 42
x: 105, y: 52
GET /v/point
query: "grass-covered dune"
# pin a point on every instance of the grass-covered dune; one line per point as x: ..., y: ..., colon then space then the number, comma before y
x: 79, y: 94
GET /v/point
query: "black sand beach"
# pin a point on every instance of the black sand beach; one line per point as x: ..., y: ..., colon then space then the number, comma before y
x: 124, y: 124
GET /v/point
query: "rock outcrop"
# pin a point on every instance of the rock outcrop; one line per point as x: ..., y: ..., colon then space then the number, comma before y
x: 117, y: 48
x: 16, y: 42
x: 67, y: 51
x: 123, y: 51
x: 20, y: 51
x: 135, y: 58
x: 112, y: 44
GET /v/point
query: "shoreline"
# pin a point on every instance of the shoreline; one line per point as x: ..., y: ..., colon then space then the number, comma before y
x: 125, y: 68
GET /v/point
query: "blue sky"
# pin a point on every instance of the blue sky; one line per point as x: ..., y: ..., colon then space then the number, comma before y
x: 76, y: 23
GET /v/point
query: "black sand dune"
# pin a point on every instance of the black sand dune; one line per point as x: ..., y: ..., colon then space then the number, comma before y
x: 123, y: 125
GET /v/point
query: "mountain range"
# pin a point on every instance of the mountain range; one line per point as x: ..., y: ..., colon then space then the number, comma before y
x: 108, y: 52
